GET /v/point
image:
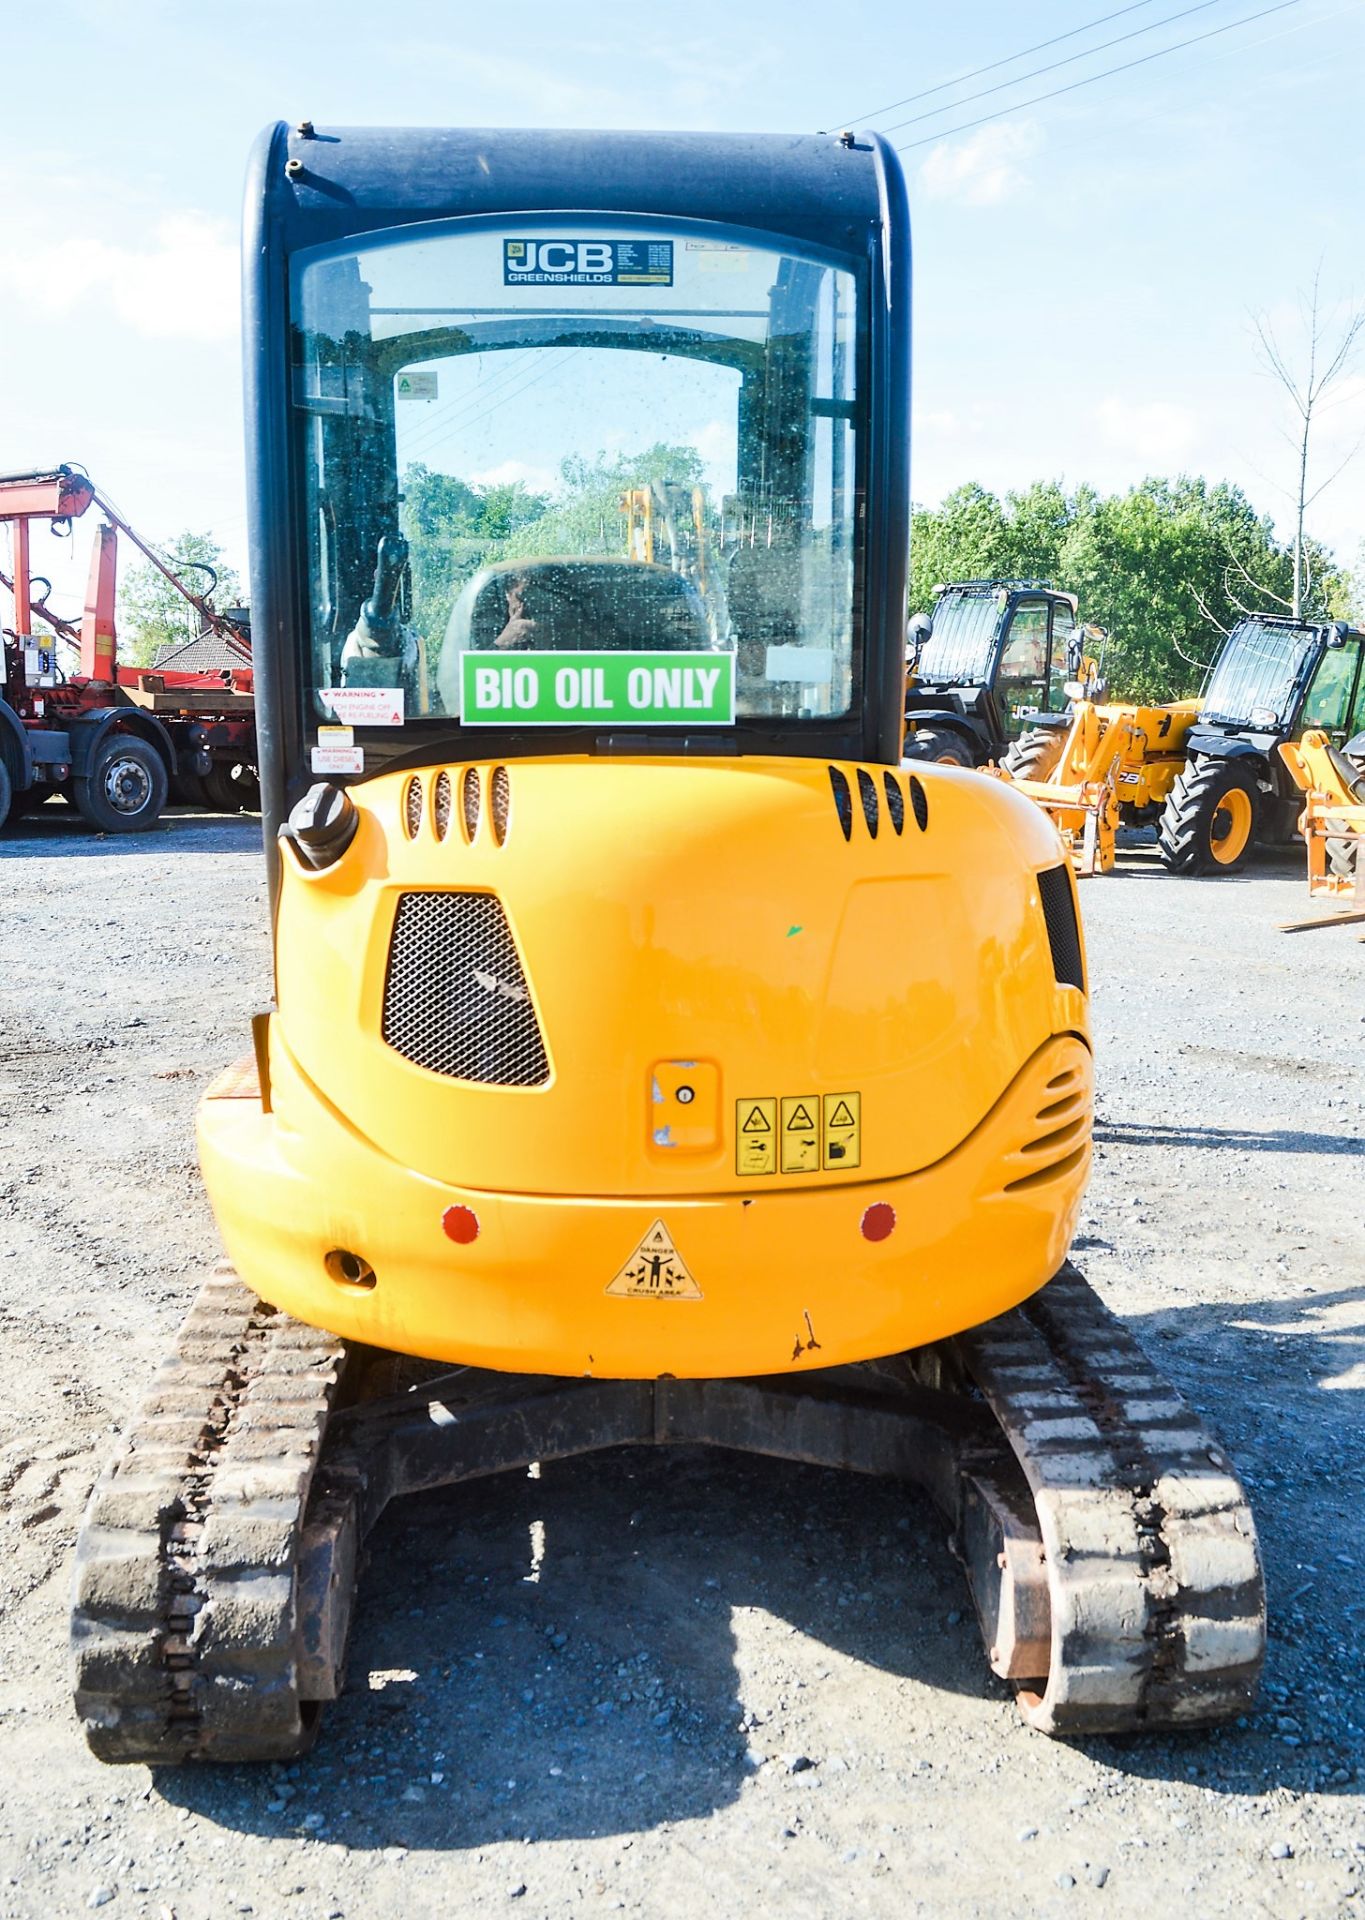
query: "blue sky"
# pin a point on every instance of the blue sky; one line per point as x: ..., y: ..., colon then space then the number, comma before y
x: 1085, y: 266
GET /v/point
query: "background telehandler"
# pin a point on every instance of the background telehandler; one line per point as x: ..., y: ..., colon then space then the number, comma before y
x: 1205, y: 772
x: 994, y: 655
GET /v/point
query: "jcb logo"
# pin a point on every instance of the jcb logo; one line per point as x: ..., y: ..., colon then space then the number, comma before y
x: 560, y: 256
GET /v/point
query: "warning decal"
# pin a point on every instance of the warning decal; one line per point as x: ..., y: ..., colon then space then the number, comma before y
x: 843, y: 1129
x: 755, y: 1136
x: 655, y: 1271
x: 366, y: 706
x: 800, y: 1133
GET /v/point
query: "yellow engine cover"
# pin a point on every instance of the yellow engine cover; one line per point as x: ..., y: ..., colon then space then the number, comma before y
x: 644, y: 1066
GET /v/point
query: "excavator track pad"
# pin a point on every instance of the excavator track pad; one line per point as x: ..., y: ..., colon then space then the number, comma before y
x: 1106, y: 1540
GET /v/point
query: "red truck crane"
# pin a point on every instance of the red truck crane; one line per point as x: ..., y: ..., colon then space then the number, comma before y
x: 114, y: 737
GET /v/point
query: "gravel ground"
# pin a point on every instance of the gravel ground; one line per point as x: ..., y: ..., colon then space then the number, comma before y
x: 689, y: 1684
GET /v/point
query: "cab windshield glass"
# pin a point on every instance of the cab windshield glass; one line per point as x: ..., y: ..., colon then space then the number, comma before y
x: 589, y: 474
x: 1255, y: 675
x: 958, y: 651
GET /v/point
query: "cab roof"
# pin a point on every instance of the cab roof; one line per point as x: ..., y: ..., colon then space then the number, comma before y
x: 322, y: 183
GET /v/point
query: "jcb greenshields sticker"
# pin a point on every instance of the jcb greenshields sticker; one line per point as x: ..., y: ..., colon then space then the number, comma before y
x: 594, y: 689
x: 562, y: 262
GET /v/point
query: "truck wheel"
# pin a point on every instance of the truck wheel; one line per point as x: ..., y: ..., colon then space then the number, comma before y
x: 125, y: 788
x: 229, y: 790
x: 6, y: 793
x: 941, y: 744
x: 1208, y: 825
x: 1034, y: 755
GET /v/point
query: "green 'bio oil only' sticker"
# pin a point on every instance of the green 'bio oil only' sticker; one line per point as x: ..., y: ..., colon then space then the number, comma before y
x: 618, y: 689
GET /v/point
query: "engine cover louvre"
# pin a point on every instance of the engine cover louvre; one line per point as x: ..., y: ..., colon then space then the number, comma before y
x: 455, y: 997
x: 1064, y: 935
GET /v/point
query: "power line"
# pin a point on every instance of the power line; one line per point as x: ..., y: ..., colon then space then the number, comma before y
x: 862, y: 119
x: 464, y: 409
x: 1069, y: 59
x: 1124, y: 66
x: 465, y: 425
x: 1245, y: 93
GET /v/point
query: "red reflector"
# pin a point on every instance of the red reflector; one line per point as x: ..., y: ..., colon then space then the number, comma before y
x: 878, y: 1221
x: 461, y: 1225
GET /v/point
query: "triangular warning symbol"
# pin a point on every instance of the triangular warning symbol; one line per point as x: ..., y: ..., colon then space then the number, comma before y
x: 757, y: 1122
x: 655, y: 1271
x: 799, y: 1120
x: 841, y: 1117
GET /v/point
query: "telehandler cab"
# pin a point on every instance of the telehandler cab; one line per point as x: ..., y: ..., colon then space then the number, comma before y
x: 996, y: 654
x: 1273, y: 678
x: 654, y: 1060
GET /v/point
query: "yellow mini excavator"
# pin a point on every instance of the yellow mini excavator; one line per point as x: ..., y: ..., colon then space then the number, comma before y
x: 655, y: 1060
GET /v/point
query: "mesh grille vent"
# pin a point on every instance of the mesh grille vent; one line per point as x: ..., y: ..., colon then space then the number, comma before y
x: 867, y: 793
x: 919, y: 801
x: 412, y: 808
x: 1063, y: 932
x: 455, y: 1000
x: 500, y: 802
x: 843, y: 801
x: 895, y: 801
x: 469, y: 801
x: 441, y: 803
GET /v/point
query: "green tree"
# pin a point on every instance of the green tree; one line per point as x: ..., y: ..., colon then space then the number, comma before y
x: 1166, y: 568
x: 152, y: 616
x: 454, y: 529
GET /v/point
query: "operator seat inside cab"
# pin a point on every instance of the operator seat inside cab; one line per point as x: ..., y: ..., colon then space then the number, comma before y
x: 571, y: 605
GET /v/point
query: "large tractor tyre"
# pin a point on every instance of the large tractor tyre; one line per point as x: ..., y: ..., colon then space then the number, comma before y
x: 125, y: 788
x: 950, y: 749
x: 1343, y: 856
x: 1034, y: 755
x: 6, y: 792
x: 1208, y: 825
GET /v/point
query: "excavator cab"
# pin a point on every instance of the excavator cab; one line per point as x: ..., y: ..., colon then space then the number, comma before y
x: 579, y: 601
x: 649, y: 1047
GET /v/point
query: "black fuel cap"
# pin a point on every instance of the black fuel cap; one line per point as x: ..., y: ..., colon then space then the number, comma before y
x: 322, y: 825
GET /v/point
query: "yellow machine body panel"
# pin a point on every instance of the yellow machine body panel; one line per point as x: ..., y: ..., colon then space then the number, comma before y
x: 1333, y: 819
x: 1113, y: 758
x: 643, y: 1066
x: 1153, y: 759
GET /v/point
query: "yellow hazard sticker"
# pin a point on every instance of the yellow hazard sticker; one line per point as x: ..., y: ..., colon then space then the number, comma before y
x: 755, y: 1136
x: 655, y: 1271
x: 801, y: 1133
x: 843, y: 1116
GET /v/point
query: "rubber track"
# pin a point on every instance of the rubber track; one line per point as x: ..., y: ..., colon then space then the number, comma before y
x: 1158, y: 1602
x: 184, y: 1611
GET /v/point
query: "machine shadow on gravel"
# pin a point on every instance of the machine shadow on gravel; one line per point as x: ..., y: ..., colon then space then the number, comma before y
x: 1127, y: 1133
x: 62, y: 830
x: 1293, y: 1420
x: 561, y: 1651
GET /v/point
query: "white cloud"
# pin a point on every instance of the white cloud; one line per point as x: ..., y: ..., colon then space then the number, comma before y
x: 508, y: 472
x: 182, y: 284
x: 984, y: 170
x: 1156, y: 431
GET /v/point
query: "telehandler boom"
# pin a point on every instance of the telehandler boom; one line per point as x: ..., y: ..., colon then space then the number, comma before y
x: 654, y: 1059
